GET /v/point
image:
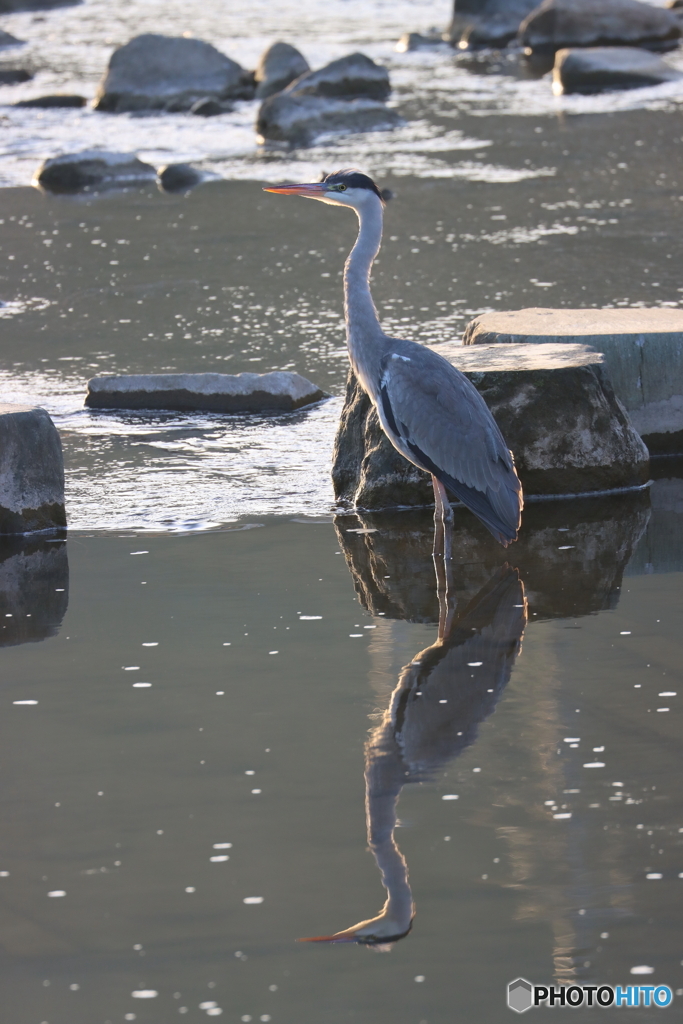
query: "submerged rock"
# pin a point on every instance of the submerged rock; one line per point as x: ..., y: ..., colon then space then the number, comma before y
x: 487, y: 22
x: 560, y: 24
x: 410, y: 41
x: 14, y: 76
x: 6, y: 40
x: 208, y: 107
x: 53, y: 101
x: 10, y: 6
x: 555, y: 407
x: 34, y: 589
x: 156, y: 72
x: 31, y: 471
x: 300, y: 120
x: 279, y: 65
x: 92, y: 170
x: 643, y: 350
x: 179, y: 177
x: 570, y: 555
x: 280, y: 391
x: 596, y: 69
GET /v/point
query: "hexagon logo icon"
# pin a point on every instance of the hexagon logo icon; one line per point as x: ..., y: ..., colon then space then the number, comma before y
x: 520, y: 996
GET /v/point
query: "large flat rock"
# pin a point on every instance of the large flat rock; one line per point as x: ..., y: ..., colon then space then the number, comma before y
x: 31, y: 472
x: 643, y: 350
x: 554, y: 405
x: 280, y: 391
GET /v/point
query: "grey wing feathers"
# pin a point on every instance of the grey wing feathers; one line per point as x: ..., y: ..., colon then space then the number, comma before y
x: 445, y: 425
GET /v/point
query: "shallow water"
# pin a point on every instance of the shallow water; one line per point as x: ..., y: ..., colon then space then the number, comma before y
x: 118, y: 795
x: 197, y: 544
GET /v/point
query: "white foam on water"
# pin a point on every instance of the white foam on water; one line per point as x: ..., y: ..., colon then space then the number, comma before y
x: 57, y: 892
x: 144, y: 993
x: 141, y: 686
x: 24, y: 701
x: 642, y: 969
x: 253, y: 899
x: 450, y: 796
x: 595, y: 764
x: 219, y: 858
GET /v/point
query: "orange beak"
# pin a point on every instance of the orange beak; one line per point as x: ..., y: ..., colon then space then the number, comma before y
x: 307, y: 191
x: 348, y: 936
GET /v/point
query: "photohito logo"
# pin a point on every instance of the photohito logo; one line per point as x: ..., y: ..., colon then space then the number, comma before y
x: 522, y: 995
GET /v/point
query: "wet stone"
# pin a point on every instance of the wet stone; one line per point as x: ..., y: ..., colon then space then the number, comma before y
x: 557, y: 24
x: 410, y: 41
x: 179, y: 177
x: 156, y: 72
x: 51, y: 102
x: 92, y: 170
x: 554, y: 405
x: 34, y: 589
x: 279, y: 391
x: 595, y: 69
x: 350, y: 76
x: 31, y: 472
x: 300, y: 120
x: 209, y: 107
x: 345, y: 96
x: 487, y: 22
x: 643, y: 350
x: 14, y: 76
x: 7, y: 39
x: 570, y: 555
x: 279, y: 65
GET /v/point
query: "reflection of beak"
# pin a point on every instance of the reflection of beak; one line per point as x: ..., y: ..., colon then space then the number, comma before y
x: 308, y: 191
x: 350, y: 935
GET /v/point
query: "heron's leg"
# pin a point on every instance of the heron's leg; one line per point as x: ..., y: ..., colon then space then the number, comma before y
x: 442, y: 553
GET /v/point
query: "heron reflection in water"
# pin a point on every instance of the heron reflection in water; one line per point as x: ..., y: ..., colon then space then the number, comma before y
x: 433, y: 715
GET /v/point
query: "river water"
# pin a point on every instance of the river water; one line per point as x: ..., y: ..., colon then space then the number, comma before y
x: 196, y: 545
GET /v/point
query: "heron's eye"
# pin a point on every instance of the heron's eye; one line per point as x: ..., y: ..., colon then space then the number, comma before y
x: 341, y: 188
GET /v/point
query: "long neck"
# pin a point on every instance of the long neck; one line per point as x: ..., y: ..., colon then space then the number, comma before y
x: 363, y: 332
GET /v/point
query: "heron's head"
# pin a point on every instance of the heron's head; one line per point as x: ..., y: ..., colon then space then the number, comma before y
x: 383, y: 930
x: 343, y: 188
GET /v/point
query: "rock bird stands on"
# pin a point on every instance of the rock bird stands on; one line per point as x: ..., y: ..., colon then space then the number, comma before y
x: 430, y: 411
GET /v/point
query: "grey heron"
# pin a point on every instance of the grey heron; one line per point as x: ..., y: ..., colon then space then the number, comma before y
x: 442, y: 696
x: 432, y: 414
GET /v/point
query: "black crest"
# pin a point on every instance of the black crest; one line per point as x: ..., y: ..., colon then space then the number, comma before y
x: 354, y: 179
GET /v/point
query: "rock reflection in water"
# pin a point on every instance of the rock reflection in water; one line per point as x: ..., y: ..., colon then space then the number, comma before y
x: 34, y: 588
x: 441, y: 697
x: 571, y: 556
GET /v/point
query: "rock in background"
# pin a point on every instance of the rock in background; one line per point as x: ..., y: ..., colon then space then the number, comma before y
x: 279, y: 391
x: 92, y: 170
x: 487, y: 22
x: 345, y: 96
x: 596, y: 69
x: 156, y: 72
x: 560, y: 24
x: 643, y: 350
x: 279, y: 65
x: 31, y: 472
x: 557, y: 411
